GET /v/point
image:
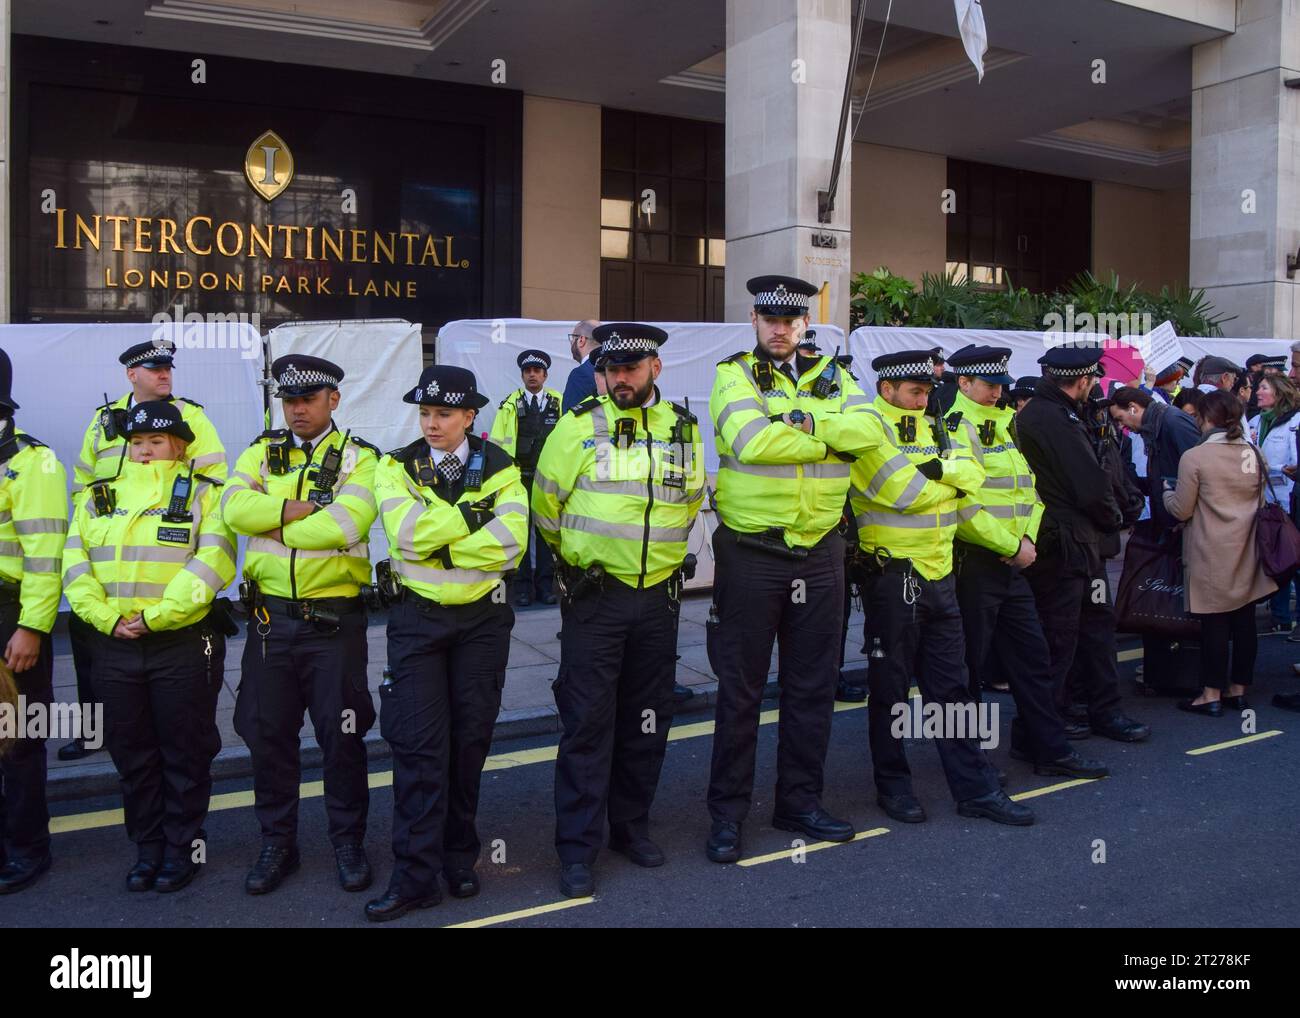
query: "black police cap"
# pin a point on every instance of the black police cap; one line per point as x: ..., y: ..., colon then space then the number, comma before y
x: 984, y: 362
x: 157, y: 353
x: 299, y: 375
x: 627, y: 342
x: 449, y: 386
x: 781, y: 296
x: 1073, y: 361
x: 157, y: 417
x: 904, y: 366
x: 534, y: 359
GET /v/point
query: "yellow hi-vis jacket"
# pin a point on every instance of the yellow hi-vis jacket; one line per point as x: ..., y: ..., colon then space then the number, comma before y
x: 133, y: 560
x: 99, y: 457
x: 430, y: 543
x: 901, y: 513
x: 505, y: 426
x: 773, y: 475
x: 621, y: 488
x: 326, y: 554
x: 33, y: 526
x: 1006, y: 507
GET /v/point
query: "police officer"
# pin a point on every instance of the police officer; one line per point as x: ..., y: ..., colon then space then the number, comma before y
x: 1080, y: 510
x: 785, y: 427
x: 149, y: 369
x: 147, y: 554
x: 905, y: 493
x: 456, y: 515
x: 995, y: 542
x: 524, y: 420
x: 33, y: 527
x: 304, y: 495
x: 1021, y: 391
x: 617, y: 491
x: 945, y: 385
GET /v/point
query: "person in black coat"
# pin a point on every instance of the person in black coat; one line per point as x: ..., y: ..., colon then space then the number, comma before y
x: 1078, y: 495
x: 1167, y: 433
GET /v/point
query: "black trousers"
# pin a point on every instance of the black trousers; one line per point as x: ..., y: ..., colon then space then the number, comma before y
x: 996, y: 602
x: 618, y: 662
x: 448, y: 665
x: 761, y: 597
x: 82, y: 637
x: 1217, y: 631
x: 1069, y: 604
x: 160, y: 708
x: 24, y: 814
x: 939, y: 662
x: 539, y: 580
x: 312, y: 668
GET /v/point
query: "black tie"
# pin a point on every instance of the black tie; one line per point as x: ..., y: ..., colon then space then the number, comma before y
x: 306, y: 450
x: 450, y: 468
x: 788, y: 371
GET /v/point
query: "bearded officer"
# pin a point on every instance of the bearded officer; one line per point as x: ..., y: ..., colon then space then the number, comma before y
x: 785, y: 428
x: 523, y: 422
x: 995, y: 542
x: 617, y: 490
x: 905, y: 494
x: 33, y: 528
x: 1079, y: 510
x: 304, y: 495
x: 149, y: 370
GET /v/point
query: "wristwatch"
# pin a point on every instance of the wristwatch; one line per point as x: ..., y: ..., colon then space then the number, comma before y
x: 797, y: 418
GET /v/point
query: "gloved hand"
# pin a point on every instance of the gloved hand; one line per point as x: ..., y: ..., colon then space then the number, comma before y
x: 933, y: 469
x: 477, y: 514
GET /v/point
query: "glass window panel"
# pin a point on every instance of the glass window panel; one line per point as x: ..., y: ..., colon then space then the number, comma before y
x: 955, y: 271
x: 616, y: 213
x: 654, y: 141
x: 651, y: 247
x: 717, y: 252
x: 688, y: 206
x: 615, y: 244
x: 689, y: 156
x: 688, y: 250
x: 618, y: 140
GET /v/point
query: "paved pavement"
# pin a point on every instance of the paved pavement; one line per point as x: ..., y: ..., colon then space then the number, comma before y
x: 1190, y: 839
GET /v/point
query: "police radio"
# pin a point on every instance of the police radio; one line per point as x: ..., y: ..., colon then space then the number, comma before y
x: 113, y: 420
x: 474, y: 468
x: 178, y: 510
x: 327, y: 474
x: 825, y: 387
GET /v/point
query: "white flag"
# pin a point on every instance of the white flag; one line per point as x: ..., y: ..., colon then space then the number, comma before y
x: 974, y: 36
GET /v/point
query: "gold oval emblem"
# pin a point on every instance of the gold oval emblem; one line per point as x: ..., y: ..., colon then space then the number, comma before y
x: 268, y: 165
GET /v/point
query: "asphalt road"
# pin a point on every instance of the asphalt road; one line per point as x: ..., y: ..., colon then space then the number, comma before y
x: 1189, y: 840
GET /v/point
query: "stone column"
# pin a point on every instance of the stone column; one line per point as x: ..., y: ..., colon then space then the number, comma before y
x: 786, y: 65
x: 1245, y: 215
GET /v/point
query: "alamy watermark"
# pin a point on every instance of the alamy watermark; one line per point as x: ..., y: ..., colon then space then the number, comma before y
x: 214, y: 330
x: 36, y: 719
x: 969, y: 720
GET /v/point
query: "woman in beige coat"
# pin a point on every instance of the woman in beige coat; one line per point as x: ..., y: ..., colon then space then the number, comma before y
x: 1218, y: 491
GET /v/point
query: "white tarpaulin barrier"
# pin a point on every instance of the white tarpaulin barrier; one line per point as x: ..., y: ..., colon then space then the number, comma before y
x: 61, y: 373
x: 1026, y: 347
x: 381, y: 360
x: 690, y: 358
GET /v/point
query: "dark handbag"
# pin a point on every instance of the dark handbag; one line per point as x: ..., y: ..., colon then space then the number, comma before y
x: 1150, y: 599
x: 1277, y: 541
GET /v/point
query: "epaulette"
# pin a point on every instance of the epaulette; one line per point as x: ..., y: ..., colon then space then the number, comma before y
x: 403, y: 453
x: 586, y: 406
x: 953, y: 421
x: 271, y: 433
x: 211, y: 480
x: 366, y: 445
x: 502, y: 404
x: 734, y: 358
x: 29, y: 440
x: 186, y: 399
x: 683, y: 413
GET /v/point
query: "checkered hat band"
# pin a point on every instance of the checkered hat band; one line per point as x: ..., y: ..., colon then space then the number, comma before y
x: 614, y: 343
x: 149, y: 355
x: 533, y: 360
x: 982, y: 368
x: 1087, y: 369
x: 295, y: 378
x: 782, y: 297
x: 925, y: 367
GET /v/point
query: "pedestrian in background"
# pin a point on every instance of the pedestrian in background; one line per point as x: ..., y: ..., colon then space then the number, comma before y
x: 1273, y: 431
x: 1218, y: 492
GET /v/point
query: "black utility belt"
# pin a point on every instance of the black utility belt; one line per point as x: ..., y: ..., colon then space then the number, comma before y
x: 873, y: 566
x: 429, y: 605
x: 310, y: 607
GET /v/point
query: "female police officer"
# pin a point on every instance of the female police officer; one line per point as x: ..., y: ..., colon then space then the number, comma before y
x: 147, y: 553
x: 456, y: 517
